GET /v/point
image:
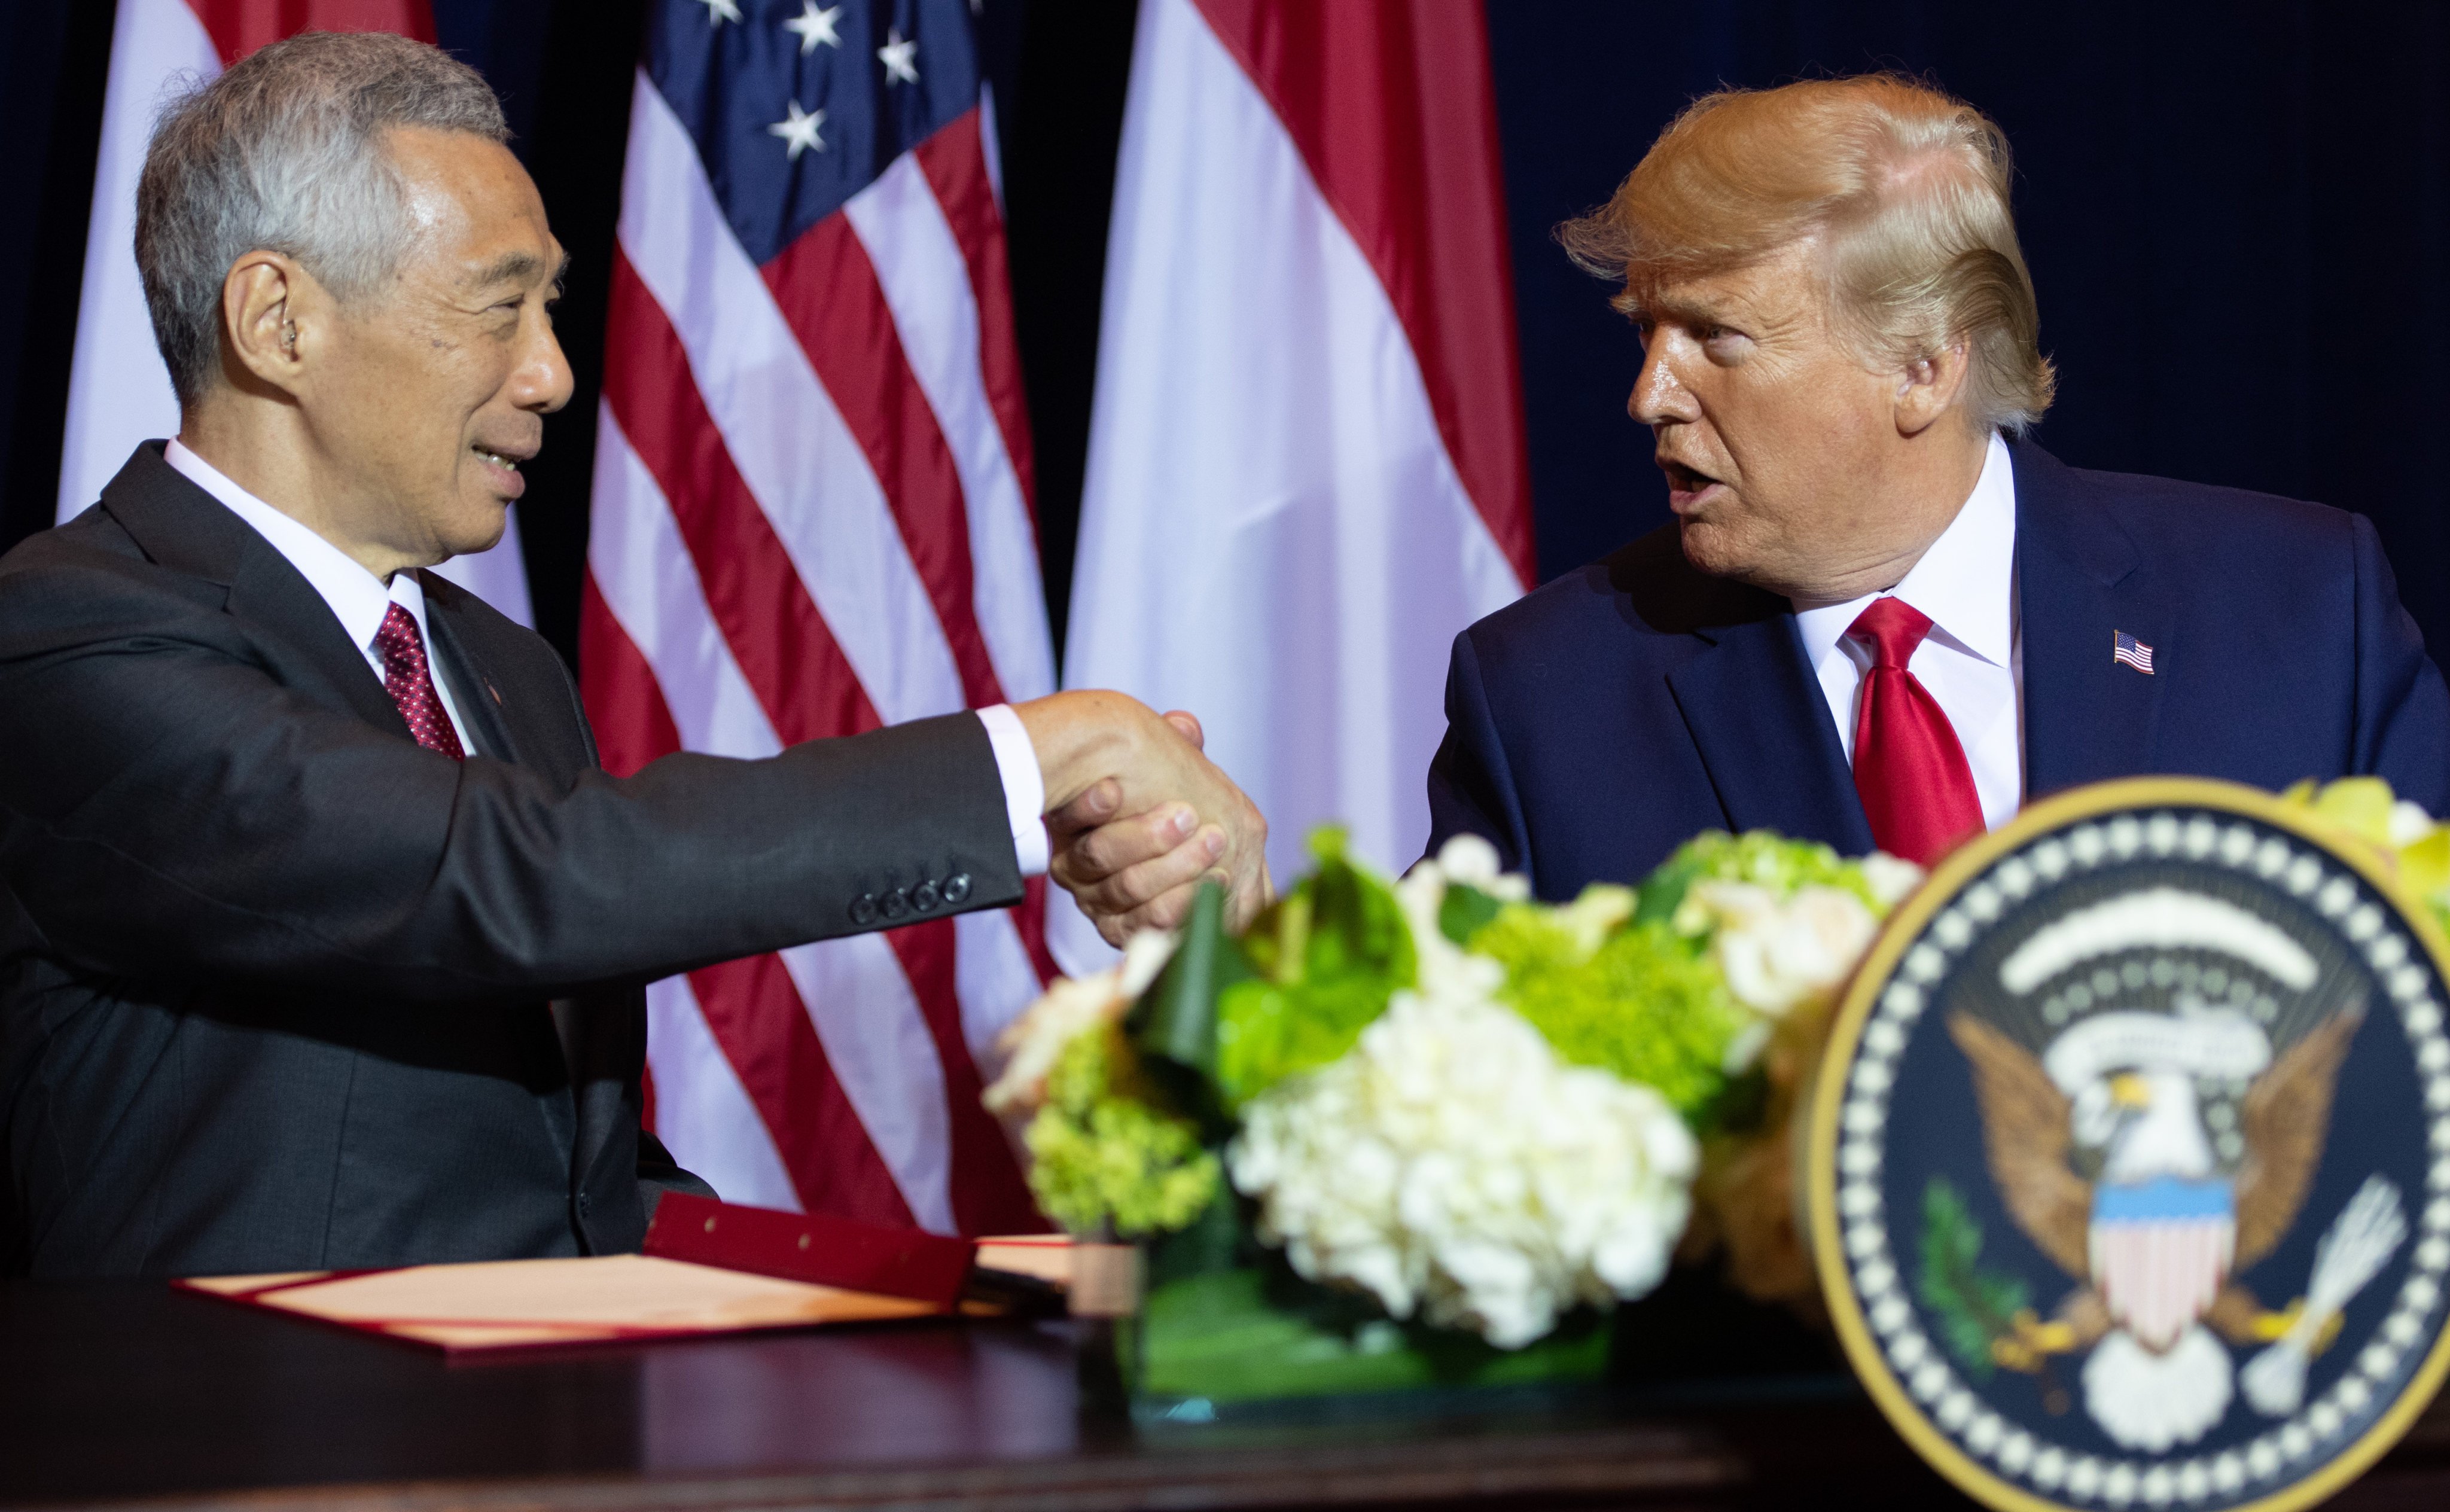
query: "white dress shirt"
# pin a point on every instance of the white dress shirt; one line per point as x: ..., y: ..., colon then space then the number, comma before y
x: 361, y: 600
x: 357, y: 598
x: 1972, y: 661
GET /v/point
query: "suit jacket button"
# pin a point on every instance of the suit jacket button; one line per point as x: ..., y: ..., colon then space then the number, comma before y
x: 895, y: 903
x: 862, y: 909
x: 925, y: 896
x: 957, y: 887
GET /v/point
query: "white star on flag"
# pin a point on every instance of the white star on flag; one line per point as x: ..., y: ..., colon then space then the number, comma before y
x: 719, y: 12
x: 896, y: 55
x: 799, y: 131
x: 814, y: 25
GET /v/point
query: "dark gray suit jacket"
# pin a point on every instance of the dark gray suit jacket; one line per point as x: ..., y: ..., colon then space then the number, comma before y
x: 275, y: 980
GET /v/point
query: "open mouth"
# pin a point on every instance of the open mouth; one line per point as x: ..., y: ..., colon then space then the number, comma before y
x: 1687, y: 486
x: 503, y: 470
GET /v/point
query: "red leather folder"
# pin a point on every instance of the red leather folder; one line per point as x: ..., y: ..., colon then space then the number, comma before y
x: 812, y: 1246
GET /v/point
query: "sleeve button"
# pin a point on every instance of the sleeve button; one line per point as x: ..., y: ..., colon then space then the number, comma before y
x: 957, y: 888
x: 862, y: 909
x: 895, y: 903
x: 925, y: 898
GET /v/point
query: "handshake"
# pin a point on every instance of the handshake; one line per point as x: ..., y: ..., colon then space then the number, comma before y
x: 1137, y: 816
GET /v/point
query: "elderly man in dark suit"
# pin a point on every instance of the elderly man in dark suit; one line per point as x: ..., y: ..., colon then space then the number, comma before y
x: 321, y: 930
x: 1880, y: 617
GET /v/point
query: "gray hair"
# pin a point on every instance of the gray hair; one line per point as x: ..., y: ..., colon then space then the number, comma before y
x: 284, y: 153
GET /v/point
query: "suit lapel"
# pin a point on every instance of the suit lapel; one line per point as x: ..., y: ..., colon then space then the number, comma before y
x: 1762, y: 725
x: 2079, y: 582
x: 475, y: 690
x: 521, y: 718
x: 187, y: 529
x: 525, y: 716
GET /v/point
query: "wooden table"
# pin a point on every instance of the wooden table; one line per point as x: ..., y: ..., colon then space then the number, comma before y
x: 119, y: 1390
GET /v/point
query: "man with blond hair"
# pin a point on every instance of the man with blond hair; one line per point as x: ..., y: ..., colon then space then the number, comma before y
x: 1881, y: 616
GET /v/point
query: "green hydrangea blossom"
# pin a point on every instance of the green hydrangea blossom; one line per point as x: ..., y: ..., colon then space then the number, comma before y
x: 1104, y: 1155
x: 1642, y: 1003
x: 1762, y: 856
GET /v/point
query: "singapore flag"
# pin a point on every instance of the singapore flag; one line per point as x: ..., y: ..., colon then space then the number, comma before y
x: 1306, y: 469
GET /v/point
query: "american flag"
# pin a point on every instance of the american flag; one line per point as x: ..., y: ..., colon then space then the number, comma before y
x: 2126, y: 647
x: 812, y: 516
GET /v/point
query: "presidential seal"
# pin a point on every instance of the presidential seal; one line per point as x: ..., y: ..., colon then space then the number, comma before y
x: 2129, y: 1163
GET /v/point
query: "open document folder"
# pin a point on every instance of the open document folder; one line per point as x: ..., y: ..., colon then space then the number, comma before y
x: 710, y: 1268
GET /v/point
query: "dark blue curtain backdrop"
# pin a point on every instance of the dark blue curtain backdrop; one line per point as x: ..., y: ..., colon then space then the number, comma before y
x: 2238, y: 219
x: 2238, y: 216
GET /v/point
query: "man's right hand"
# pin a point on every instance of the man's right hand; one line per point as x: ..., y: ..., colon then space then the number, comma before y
x: 1137, y: 816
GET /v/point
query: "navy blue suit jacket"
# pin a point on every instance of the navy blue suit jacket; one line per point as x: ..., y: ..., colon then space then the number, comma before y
x: 1602, y: 721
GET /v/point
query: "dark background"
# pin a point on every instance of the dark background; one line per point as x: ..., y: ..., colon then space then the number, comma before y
x: 2238, y: 216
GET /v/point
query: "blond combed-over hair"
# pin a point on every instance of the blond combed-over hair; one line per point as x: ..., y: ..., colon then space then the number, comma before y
x: 1904, y: 187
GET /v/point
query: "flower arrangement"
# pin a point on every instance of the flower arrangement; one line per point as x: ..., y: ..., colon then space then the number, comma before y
x: 2410, y: 840
x: 1446, y: 1109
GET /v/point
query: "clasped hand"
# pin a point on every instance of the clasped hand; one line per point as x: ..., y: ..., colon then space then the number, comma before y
x: 1137, y: 816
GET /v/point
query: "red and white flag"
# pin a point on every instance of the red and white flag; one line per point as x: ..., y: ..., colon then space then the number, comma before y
x: 812, y: 516
x: 119, y: 392
x: 1307, y: 468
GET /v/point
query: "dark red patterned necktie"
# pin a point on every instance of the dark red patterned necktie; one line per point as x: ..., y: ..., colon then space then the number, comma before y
x: 411, y: 685
x: 1916, y: 788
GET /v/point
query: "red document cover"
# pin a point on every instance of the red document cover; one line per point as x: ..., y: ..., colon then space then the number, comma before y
x: 812, y: 1246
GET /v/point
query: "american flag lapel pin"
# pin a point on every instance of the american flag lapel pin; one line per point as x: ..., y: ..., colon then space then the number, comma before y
x: 2126, y: 647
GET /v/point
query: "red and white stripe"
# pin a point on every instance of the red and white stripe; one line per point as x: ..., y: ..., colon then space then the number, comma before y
x: 2159, y: 1275
x: 118, y: 391
x: 812, y: 516
x: 1307, y: 468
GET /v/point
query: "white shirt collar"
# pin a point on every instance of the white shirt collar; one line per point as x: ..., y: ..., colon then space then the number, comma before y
x: 358, y: 597
x: 1962, y: 583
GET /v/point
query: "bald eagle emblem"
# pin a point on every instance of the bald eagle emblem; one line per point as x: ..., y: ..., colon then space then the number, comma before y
x: 2154, y: 1153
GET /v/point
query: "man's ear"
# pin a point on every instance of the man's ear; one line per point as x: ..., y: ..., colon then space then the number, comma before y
x: 268, y: 321
x: 1930, y: 387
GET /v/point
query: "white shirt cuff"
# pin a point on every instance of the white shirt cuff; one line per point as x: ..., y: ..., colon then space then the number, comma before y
x: 1024, y: 786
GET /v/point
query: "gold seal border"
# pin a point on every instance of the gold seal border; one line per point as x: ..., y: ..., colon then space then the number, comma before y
x: 1904, y: 927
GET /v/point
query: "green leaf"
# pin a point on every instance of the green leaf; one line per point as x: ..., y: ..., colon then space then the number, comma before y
x: 1663, y: 891
x: 1174, y: 1025
x: 1232, y: 1336
x: 1972, y: 1306
x: 1324, y: 961
x: 1465, y: 912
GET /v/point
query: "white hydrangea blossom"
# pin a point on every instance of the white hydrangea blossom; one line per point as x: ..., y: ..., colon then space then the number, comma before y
x: 2409, y: 823
x: 1447, y: 972
x: 1892, y: 878
x: 1453, y: 1166
x: 1032, y: 1043
x: 1777, y: 953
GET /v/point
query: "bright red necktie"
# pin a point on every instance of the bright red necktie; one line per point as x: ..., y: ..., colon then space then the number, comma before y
x: 411, y: 685
x: 1909, y: 768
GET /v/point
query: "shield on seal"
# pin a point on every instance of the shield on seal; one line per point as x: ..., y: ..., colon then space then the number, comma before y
x: 2160, y: 1249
